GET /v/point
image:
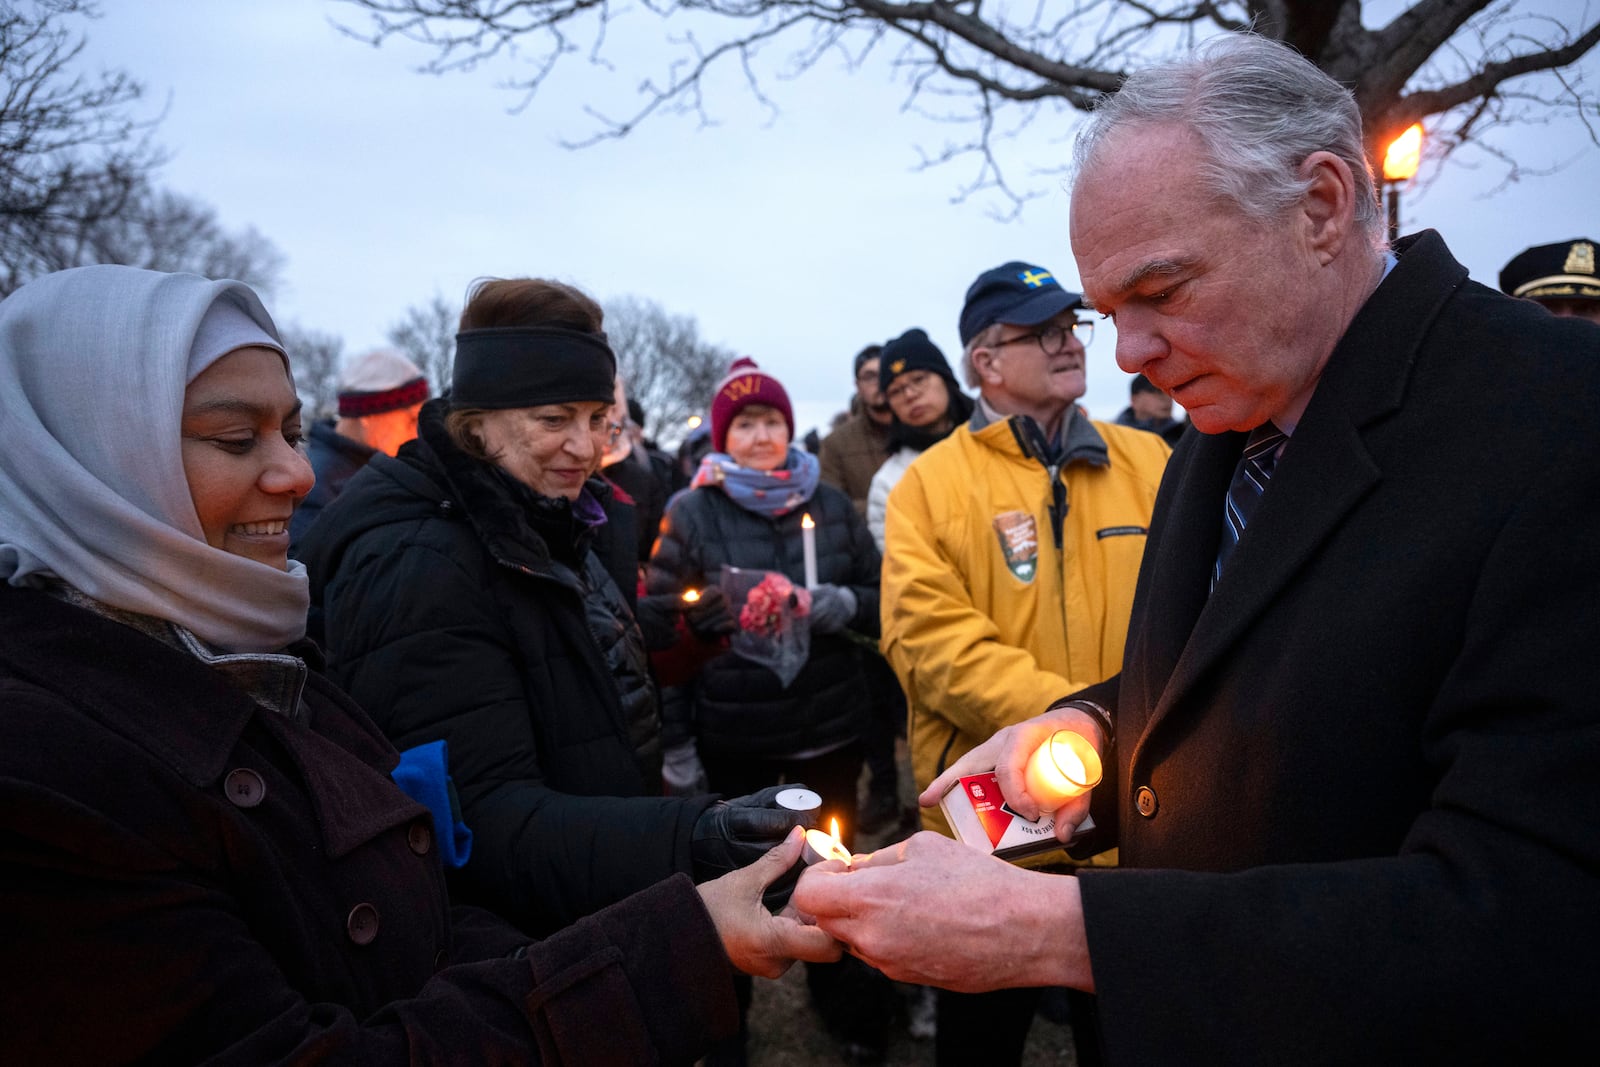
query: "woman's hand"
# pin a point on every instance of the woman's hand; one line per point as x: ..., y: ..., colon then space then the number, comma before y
x: 756, y: 941
x: 711, y: 617
x: 832, y: 608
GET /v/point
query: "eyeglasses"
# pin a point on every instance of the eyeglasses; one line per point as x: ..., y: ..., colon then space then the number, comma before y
x: 614, y: 430
x: 1053, y: 338
x: 911, y: 382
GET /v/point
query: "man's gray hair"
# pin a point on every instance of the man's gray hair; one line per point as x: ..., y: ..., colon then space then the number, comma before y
x: 984, y: 338
x: 1260, y: 108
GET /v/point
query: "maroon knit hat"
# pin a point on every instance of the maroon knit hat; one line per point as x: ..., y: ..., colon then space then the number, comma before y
x: 745, y: 385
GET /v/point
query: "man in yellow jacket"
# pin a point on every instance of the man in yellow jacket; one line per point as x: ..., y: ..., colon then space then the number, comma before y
x: 1011, y: 552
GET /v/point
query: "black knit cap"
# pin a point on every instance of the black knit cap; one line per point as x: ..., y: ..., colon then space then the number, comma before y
x: 527, y: 366
x: 870, y: 352
x: 911, y: 351
x: 1561, y: 271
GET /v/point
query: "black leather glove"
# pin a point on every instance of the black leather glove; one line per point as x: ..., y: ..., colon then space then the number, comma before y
x: 735, y: 833
x: 657, y: 617
x: 710, y: 617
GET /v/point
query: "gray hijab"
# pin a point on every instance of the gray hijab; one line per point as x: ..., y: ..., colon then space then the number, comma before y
x: 93, y: 367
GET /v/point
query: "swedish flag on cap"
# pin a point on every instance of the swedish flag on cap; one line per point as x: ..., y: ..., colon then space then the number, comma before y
x: 1019, y: 293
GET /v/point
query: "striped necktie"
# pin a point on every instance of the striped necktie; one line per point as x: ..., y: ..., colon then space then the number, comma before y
x: 1250, y: 479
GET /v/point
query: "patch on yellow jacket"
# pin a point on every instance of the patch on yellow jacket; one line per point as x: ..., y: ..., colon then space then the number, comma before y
x: 1019, y: 542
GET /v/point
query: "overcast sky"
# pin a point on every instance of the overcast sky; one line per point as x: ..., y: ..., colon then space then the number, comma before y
x: 796, y: 239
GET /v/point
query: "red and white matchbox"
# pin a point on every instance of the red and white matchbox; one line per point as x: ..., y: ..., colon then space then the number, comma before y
x: 981, y: 818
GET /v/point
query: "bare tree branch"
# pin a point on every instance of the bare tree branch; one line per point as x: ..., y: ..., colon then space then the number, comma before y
x: 426, y: 333
x: 315, y: 358
x: 1448, y: 58
x: 668, y: 368
x: 72, y: 156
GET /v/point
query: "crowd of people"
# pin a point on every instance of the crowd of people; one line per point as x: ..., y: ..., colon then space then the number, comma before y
x: 470, y: 727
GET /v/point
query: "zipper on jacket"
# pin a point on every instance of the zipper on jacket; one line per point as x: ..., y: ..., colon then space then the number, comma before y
x: 1037, y: 449
x: 1058, y: 504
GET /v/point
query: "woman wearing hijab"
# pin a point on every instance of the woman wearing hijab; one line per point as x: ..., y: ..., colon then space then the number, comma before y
x: 927, y: 404
x: 202, y: 854
x: 749, y: 729
x: 461, y: 600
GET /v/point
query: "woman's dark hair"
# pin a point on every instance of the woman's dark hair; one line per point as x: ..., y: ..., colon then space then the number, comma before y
x: 529, y: 302
x: 517, y: 302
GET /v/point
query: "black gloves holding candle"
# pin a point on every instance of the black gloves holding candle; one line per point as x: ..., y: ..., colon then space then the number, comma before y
x: 709, y: 618
x: 735, y: 833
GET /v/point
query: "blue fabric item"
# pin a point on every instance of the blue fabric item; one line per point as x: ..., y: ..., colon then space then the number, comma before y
x: 424, y: 777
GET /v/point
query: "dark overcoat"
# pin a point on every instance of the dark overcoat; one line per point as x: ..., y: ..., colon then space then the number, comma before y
x: 187, y: 876
x: 1358, y: 785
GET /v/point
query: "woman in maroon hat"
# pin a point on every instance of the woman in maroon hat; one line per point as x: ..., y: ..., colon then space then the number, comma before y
x: 744, y: 509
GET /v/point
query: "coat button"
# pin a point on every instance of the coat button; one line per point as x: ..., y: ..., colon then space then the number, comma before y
x: 244, y: 787
x: 1145, y: 801
x: 420, y: 838
x: 362, y: 924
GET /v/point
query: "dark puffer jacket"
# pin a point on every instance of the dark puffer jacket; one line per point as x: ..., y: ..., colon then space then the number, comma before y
x: 741, y: 708
x: 336, y: 459
x: 447, y: 609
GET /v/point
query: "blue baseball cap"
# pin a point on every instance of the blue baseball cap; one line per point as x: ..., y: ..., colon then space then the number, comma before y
x: 1017, y: 293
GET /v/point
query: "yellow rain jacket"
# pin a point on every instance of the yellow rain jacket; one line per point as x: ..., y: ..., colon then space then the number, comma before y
x: 989, y: 613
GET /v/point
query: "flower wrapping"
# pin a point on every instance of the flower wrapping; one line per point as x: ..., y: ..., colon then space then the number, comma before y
x: 772, y: 630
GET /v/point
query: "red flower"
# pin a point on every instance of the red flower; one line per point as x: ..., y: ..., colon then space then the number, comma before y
x: 764, y: 605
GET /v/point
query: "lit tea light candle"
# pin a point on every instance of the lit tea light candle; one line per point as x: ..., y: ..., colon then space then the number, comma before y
x: 821, y: 846
x: 690, y: 596
x: 808, y: 545
x: 1063, y: 767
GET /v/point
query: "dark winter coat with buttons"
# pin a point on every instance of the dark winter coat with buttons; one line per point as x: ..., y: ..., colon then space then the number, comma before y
x: 452, y: 605
x: 739, y: 708
x: 192, y: 871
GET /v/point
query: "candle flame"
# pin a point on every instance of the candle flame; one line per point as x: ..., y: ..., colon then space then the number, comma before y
x: 691, y: 595
x: 833, y: 828
x: 806, y: 523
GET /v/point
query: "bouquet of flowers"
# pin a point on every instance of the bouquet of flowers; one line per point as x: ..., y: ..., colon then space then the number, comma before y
x: 771, y: 613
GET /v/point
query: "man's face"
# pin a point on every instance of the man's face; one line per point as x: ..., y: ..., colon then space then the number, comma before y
x: 1147, y: 406
x: 872, y: 398
x: 1218, y: 310
x: 1021, y: 378
x: 1577, y: 309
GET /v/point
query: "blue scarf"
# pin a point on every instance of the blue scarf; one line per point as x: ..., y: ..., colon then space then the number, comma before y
x: 770, y: 493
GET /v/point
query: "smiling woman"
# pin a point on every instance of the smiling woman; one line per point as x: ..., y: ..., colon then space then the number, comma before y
x: 241, y: 454
x: 202, y: 854
x: 464, y: 599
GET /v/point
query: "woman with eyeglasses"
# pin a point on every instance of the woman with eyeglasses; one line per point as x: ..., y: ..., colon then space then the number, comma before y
x: 927, y: 404
x: 461, y: 599
x: 203, y: 858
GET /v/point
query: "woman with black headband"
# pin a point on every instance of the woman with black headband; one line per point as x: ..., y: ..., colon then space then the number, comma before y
x: 459, y: 600
x: 203, y: 857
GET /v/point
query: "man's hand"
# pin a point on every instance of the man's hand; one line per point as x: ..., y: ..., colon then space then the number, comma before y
x: 756, y: 941
x: 936, y: 912
x: 1007, y: 753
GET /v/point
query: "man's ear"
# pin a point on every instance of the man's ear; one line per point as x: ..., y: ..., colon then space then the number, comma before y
x: 983, y: 362
x: 1328, y: 206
